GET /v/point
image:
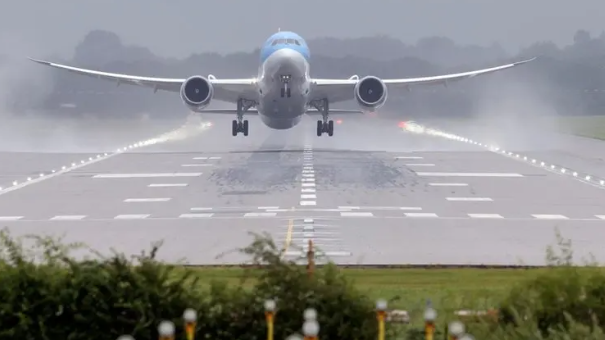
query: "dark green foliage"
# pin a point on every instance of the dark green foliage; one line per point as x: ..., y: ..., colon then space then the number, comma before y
x: 60, y: 298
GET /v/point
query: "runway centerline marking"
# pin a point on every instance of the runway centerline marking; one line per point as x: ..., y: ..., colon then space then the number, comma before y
x: 167, y: 185
x: 308, y: 178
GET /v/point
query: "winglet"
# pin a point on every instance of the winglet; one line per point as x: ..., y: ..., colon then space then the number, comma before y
x: 525, y: 61
x: 39, y: 61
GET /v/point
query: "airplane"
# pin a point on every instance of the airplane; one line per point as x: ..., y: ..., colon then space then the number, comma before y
x: 283, y: 91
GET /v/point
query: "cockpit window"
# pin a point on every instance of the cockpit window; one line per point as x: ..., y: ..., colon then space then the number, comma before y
x: 285, y: 42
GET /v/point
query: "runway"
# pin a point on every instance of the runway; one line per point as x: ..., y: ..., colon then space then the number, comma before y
x: 372, y: 194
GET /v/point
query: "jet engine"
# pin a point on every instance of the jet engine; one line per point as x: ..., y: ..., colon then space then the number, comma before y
x: 197, y: 92
x: 370, y: 93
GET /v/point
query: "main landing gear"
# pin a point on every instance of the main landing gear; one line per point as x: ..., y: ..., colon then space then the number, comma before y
x: 324, y: 125
x: 241, y: 125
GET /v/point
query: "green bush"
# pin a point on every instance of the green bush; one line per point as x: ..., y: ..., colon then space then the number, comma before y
x: 102, y: 298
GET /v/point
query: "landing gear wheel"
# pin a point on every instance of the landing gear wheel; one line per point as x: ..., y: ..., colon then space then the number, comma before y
x: 245, y: 128
x: 234, y: 128
x: 330, y: 128
x: 320, y: 129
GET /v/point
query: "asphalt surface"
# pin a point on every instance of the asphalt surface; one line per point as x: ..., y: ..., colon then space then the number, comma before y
x: 371, y: 194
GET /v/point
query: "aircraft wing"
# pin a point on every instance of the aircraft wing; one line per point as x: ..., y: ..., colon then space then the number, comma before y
x: 336, y: 90
x: 228, y: 90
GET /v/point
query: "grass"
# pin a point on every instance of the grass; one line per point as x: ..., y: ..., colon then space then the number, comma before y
x: 585, y: 126
x: 410, y: 287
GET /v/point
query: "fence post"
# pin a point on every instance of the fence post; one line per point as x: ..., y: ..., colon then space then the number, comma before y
x: 310, y: 259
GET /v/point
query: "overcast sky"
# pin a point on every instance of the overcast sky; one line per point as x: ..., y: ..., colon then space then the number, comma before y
x: 180, y: 27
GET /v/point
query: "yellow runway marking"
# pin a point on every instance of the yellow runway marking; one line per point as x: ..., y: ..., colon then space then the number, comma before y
x: 289, y: 235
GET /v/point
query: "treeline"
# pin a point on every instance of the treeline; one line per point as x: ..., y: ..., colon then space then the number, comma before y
x: 570, y: 79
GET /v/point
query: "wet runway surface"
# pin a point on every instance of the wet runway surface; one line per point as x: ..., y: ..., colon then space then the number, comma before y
x: 371, y: 194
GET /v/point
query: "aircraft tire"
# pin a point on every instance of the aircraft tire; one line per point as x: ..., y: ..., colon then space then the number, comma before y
x: 320, y: 126
x: 234, y: 128
x: 245, y: 128
x: 330, y: 128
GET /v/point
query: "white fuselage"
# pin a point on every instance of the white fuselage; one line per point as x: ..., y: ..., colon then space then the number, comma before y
x: 277, y: 111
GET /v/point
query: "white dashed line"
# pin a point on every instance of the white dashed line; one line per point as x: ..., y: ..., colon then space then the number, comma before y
x: 420, y: 164
x: 174, y: 174
x: 267, y: 208
x: 196, y: 165
x: 167, y: 185
x: 200, y: 209
x: 469, y: 199
x: 421, y: 215
x: 408, y: 157
x: 448, y: 184
x: 138, y: 200
x: 549, y: 217
x: 10, y: 218
x: 347, y: 207
x: 260, y: 214
x: 410, y: 208
x: 68, y: 217
x: 600, y: 216
x: 196, y: 215
x: 131, y: 217
x: 485, y: 216
x: 308, y: 194
x: 356, y: 214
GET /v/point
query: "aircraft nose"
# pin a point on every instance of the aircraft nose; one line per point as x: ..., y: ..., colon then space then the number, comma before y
x: 289, y: 56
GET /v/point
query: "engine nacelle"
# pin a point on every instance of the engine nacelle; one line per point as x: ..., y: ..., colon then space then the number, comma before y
x: 371, y: 93
x: 197, y: 92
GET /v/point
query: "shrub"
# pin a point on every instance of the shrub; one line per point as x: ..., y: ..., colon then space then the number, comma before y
x: 53, y: 296
x: 564, y: 298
